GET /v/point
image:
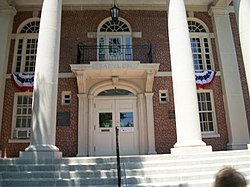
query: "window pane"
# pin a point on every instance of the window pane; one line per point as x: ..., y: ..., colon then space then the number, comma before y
x: 126, y: 119
x: 30, y: 58
x: 23, y: 113
x: 105, y: 120
x: 113, y: 92
x: 18, y: 122
x: 205, y: 112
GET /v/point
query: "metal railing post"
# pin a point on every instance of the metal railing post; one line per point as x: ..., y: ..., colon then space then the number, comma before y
x: 118, y: 157
x: 80, y: 53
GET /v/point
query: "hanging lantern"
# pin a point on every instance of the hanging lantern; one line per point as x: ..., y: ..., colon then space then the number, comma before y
x: 114, y: 12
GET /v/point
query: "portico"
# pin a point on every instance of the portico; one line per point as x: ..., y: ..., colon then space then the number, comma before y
x: 134, y: 79
x: 99, y: 84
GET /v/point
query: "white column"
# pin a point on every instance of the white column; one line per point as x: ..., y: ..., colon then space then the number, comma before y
x: 82, y: 125
x: 150, y: 123
x: 142, y: 123
x: 43, y: 131
x: 91, y: 125
x: 242, y: 10
x: 185, y: 94
x: 232, y: 89
x: 6, y: 19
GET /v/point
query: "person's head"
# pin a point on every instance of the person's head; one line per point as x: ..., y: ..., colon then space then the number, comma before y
x: 229, y: 177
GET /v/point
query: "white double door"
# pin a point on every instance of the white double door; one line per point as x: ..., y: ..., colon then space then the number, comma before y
x: 112, y: 113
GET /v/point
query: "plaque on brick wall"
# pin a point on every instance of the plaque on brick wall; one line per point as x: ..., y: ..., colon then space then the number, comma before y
x: 63, y: 119
x: 171, y: 114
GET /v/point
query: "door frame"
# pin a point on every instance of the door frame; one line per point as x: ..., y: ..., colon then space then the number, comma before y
x: 115, y: 109
x: 140, y: 110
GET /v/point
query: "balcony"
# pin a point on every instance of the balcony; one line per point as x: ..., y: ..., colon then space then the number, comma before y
x: 87, y: 54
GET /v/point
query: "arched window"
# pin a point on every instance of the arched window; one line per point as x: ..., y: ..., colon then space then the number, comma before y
x: 26, y: 46
x: 115, y: 92
x: 201, y: 47
x: 114, y: 40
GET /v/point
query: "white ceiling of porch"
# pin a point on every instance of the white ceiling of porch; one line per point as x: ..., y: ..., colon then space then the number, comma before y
x: 125, y: 4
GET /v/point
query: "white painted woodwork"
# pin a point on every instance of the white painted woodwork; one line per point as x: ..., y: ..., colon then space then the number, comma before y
x: 232, y: 88
x: 43, y: 131
x: 184, y: 87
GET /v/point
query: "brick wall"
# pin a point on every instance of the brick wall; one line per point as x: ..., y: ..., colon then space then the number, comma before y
x: 66, y: 136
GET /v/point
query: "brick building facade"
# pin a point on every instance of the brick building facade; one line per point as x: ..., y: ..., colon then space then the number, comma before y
x: 80, y: 26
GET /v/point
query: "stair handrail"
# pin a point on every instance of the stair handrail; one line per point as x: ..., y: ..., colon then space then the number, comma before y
x: 118, y: 157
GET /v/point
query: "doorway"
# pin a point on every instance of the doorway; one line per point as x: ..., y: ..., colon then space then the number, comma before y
x: 109, y: 113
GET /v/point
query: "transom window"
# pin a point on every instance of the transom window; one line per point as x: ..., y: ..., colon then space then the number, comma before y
x: 26, y: 47
x: 201, y: 47
x: 32, y: 27
x: 111, y: 26
x: 206, y: 111
x: 194, y: 26
x: 114, y: 41
x: 116, y: 92
x: 22, y: 115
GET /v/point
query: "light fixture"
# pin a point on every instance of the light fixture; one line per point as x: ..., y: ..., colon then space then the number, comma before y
x: 114, y: 12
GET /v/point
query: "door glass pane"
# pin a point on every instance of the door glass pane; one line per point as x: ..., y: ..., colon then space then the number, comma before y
x: 105, y: 120
x: 126, y: 119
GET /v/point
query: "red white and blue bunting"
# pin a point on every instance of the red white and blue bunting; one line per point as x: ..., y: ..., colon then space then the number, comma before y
x: 23, y: 81
x: 204, y: 78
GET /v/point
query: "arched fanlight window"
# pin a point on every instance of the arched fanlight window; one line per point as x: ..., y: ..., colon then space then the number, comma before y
x: 31, y: 27
x: 26, y: 47
x: 194, y: 26
x: 115, y: 92
x: 114, y: 40
x: 111, y: 26
x: 201, y: 46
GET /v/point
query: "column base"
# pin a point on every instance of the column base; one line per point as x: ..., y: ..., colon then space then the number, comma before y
x: 191, y: 150
x: 238, y: 145
x: 81, y: 155
x: 152, y: 153
x: 40, y: 152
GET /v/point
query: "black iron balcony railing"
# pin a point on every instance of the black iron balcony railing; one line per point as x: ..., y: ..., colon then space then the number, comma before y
x: 142, y: 53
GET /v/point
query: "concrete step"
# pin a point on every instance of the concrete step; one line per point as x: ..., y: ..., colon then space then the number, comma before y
x: 149, y: 170
x: 164, y: 170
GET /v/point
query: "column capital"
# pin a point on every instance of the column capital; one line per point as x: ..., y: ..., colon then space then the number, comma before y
x: 150, y: 80
x: 8, y: 10
x: 82, y: 96
x: 140, y: 96
x: 81, y: 82
x: 218, y: 11
x: 149, y: 94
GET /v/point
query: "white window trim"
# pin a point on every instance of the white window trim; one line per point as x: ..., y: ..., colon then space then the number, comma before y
x: 160, y: 96
x: 215, y: 133
x: 23, y: 36
x: 64, y: 93
x: 203, y: 35
x: 12, y: 140
x: 106, y: 35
